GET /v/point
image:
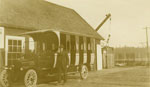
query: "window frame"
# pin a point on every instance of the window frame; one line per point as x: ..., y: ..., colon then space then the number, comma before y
x: 8, y: 37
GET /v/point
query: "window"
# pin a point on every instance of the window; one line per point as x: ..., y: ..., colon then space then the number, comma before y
x: 82, y: 46
x: 89, y: 46
x: 77, y: 46
x: 92, y: 45
x: 68, y: 46
x: 14, y: 49
x: 31, y: 44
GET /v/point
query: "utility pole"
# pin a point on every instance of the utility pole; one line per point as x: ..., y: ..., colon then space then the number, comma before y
x: 146, y: 28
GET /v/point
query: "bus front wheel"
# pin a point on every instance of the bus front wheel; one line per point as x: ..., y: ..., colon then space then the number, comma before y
x: 30, y: 79
x: 4, y: 78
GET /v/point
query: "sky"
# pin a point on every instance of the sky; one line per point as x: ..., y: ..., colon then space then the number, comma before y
x: 128, y: 19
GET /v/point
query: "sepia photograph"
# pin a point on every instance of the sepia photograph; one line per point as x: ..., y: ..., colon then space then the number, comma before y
x: 74, y: 43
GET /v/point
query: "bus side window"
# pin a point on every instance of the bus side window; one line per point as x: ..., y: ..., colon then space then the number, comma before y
x: 89, y: 46
x: 82, y: 47
x: 68, y: 46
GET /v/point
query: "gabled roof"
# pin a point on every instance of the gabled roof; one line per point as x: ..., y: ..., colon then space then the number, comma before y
x: 40, y: 14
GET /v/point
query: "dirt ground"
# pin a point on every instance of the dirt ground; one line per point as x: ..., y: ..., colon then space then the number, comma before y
x: 138, y: 76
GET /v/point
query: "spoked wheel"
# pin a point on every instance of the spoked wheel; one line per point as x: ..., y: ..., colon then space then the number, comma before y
x: 30, y: 79
x: 84, y: 72
x: 4, y: 78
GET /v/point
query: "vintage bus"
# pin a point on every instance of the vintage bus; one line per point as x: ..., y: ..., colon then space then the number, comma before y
x: 29, y: 66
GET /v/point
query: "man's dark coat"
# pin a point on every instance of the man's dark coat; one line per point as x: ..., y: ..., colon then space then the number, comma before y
x: 62, y: 60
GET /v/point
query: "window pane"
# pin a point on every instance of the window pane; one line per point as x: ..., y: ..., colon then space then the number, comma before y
x: 68, y: 46
x: 82, y: 47
x: 14, y: 49
x: 19, y: 42
x: 89, y: 47
x: 14, y: 56
x: 15, y: 42
x: 9, y: 48
x: 19, y: 49
x: 9, y: 42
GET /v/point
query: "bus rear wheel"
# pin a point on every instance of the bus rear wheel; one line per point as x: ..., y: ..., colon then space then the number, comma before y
x: 84, y: 72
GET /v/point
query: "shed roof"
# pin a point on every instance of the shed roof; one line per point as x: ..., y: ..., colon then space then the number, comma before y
x: 40, y: 14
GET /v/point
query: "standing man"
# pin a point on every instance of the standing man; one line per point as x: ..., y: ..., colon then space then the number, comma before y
x: 62, y: 64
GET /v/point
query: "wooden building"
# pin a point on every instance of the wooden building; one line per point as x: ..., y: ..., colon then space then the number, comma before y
x: 108, y: 57
x: 27, y: 16
x: 131, y: 55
